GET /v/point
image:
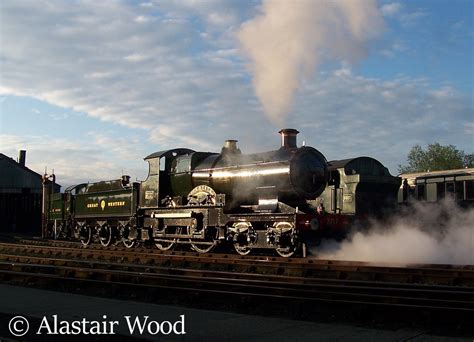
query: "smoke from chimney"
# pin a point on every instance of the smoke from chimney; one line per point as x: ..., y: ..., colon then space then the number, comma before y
x: 288, y: 39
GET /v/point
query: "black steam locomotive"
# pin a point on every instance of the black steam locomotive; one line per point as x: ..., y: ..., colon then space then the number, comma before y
x: 271, y: 200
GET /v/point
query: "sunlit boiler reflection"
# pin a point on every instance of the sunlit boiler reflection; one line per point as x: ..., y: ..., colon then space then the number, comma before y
x: 238, y: 173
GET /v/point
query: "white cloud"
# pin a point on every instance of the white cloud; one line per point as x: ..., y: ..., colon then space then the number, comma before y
x: 96, y: 59
x: 391, y: 9
x: 95, y: 157
x: 412, y: 17
x: 136, y: 57
x: 347, y: 115
x: 142, y: 19
x: 178, y: 78
x: 406, y: 14
x: 469, y: 128
x: 394, y: 49
x: 445, y: 92
x: 344, y: 71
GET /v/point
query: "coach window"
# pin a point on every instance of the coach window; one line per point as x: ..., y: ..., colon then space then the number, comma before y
x: 420, y: 195
x: 450, y: 190
x: 459, y: 191
x: 469, y: 190
x: 440, y: 190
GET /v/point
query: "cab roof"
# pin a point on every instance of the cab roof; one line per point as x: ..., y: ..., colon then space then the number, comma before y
x: 168, y: 153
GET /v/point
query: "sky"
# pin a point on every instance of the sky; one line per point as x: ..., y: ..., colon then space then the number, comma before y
x: 90, y: 88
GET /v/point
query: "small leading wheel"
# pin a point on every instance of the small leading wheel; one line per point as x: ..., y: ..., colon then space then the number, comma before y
x: 86, y: 235
x: 243, y: 236
x: 105, y: 235
x: 285, y: 252
x: 288, y: 243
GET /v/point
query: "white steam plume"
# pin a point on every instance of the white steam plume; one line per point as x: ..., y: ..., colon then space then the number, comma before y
x: 289, y: 38
x: 425, y: 233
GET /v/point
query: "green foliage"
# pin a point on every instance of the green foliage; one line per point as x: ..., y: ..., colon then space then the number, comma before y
x: 436, y: 157
x: 469, y: 160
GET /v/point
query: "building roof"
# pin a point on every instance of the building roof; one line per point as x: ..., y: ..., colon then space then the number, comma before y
x: 14, y: 163
x: 454, y: 172
x: 10, y: 161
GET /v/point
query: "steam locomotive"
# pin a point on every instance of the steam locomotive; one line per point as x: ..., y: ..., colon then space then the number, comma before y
x: 273, y: 200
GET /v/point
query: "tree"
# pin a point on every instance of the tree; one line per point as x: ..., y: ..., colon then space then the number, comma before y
x: 436, y: 157
x: 469, y: 160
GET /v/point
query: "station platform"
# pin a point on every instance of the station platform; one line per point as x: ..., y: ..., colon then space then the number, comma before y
x: 198, y: 325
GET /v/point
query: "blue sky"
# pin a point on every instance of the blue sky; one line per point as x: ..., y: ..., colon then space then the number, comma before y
x: 89, y: 89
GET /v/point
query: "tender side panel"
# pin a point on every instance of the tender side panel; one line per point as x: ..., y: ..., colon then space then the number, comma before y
x: 57, y: 207
x: 120, y: 203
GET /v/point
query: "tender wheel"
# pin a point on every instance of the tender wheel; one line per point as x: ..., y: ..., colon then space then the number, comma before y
x: 242, y: 250
x: 128, y: 243
x: 125, y: 235
x: 58, y: 231
x: 63, y: 232
x: 105, y: 235
x: 165, y: 245
x: 86, y: 235
x: 50, y: 231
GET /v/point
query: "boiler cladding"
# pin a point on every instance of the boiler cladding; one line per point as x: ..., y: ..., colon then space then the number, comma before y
x: 290, y: 172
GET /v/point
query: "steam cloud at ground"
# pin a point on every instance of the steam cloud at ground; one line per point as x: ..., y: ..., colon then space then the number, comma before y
x: 425, y: 233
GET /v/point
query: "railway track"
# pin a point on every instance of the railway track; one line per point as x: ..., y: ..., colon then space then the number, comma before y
x: 302, y: 269
x: 25, y: 269
x: 287, y: 282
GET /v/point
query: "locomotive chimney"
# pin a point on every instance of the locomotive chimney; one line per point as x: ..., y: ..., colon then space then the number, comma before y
x: 230, y: 146
x: 22, y: 158
x: 288, y: 137
x: 125, y: 180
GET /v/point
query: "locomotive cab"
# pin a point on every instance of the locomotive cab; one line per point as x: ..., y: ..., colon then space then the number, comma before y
x: 157, y: 185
